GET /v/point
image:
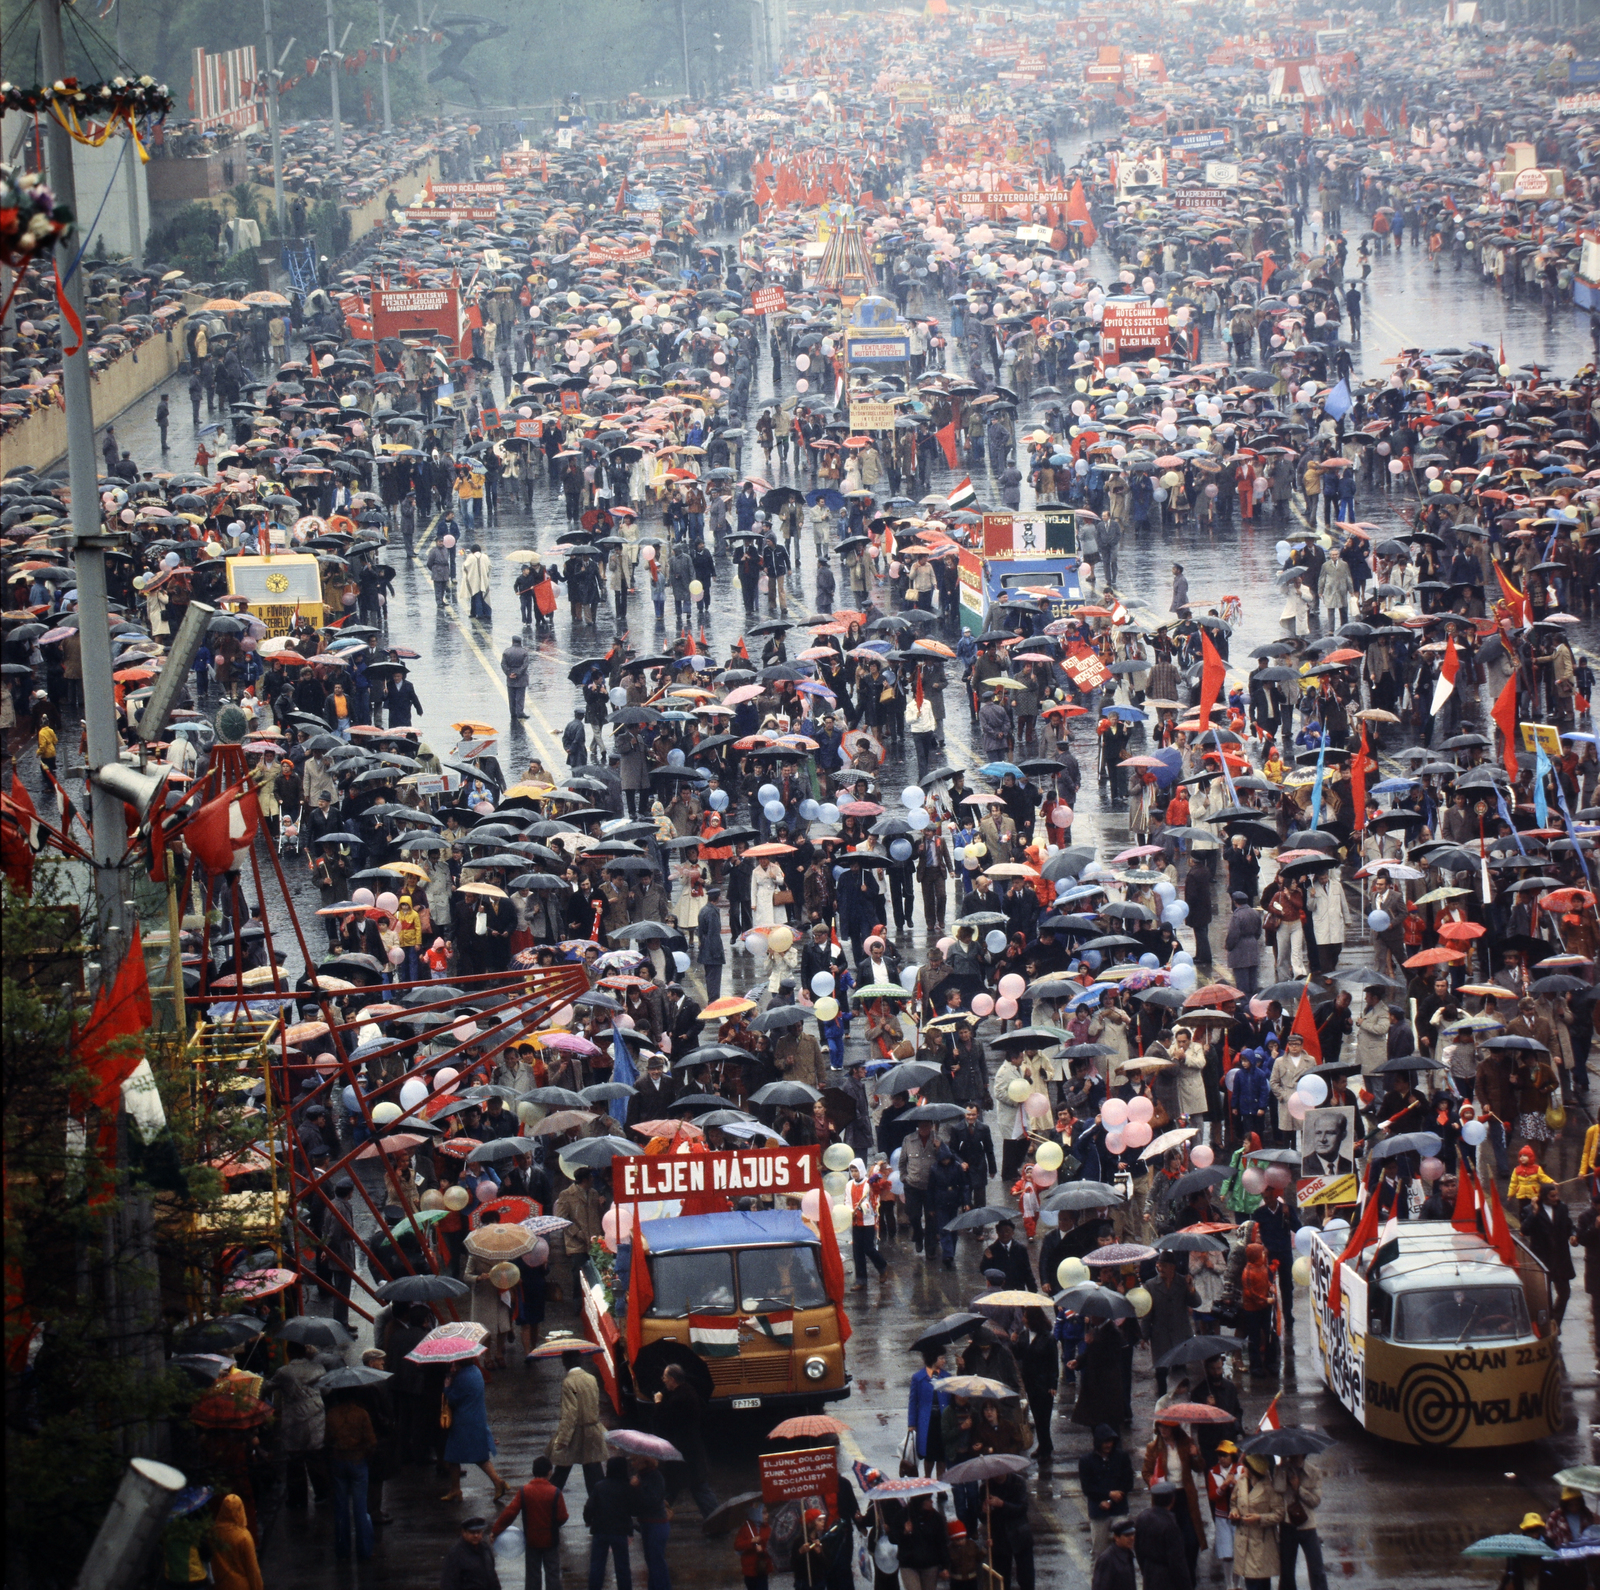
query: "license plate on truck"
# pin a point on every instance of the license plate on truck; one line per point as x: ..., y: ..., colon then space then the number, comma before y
x: 746, y: 1402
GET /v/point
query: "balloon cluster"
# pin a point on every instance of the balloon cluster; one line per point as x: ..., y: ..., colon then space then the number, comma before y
x: 1127, y: 1123
x: 1309, y: 1092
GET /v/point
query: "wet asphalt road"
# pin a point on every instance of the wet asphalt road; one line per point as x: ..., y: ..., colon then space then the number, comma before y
x: 1390, y: 1517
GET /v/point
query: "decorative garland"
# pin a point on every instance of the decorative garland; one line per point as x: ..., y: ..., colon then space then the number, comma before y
x: 30, y: 219
x: 123, y: 99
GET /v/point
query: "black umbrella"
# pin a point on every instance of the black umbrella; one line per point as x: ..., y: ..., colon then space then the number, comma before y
x: 1290, y: 1440
x: 654, y: 1358
x: 1199, y: 1349
x: 977, y: 1219
x: 1197, y: 1181
x: 951, y: 1328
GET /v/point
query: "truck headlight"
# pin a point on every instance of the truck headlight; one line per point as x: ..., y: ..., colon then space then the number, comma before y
x: 816, y: 1368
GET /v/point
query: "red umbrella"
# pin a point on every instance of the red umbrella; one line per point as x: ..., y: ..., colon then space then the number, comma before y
x: 1193, y: 1413
x: 512, y: 1209
x: 1440, y: 956
x: 808, y: 1424
x: 400, y: 1143
x: 1213, y: 994
x: 1462, y: 930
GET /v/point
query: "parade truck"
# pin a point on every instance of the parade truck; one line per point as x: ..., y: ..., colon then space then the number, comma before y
x: 279, y: 589
x: 1431, y: 1338
x: 740, y: 1299
x: 1026, y: 562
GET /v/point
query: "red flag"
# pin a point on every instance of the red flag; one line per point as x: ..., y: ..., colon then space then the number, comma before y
x: 833, y: 1269
x: 1445, y: 685
x: 544, y: 169
x: 69, y: 315
x: 213, y: 834
x: 1359, y: 764
x: 1465, y: 1216
x: 1305, y: 121
x: 120, y: 1012
x: 622, y: 194
x: 1519, y: 602
x: 1372, y: 122
x: 947, y: 441
x: 19, y: 834
x: 1078, y: 211
x: 1505, y: 718
x: 1305, y: 1023
x: 1269, y: 269
x: 1499, y: 1233
x: 316, y: 366
x: 1212, y: 674
x: 641, y: 1291
x: 1270, y: 1419
x: 1366, y: 1230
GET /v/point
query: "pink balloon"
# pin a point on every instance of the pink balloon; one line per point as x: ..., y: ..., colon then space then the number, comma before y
x: 388, y: 902
x: 982, y: 1005
x: 1137, y: 1134
x: 1061, y: 816
x: 1005, y: 1009
x: 1114, y: 1142
x: 485, y: 1190
x: 1141, y: 1109
x: 1202, y: 1155
x: 563, y: 1017
x: 1258, y: 1009
x: 539, y: 1254
x: 396, y: 955
x: 1431, y: 1169
x: 361, y: 897
x: 612, y: 1231
x: 624, y: 1019
x: 1012, y: 986
x: 1114, y: 1113
x: 1253, y: 1181
x: 1037, y: 1104
x: 1278, y: 1177
x: 811, y: 1204
x: 1043, y: 1177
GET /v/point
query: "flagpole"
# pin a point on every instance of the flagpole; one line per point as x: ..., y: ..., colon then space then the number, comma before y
x: 88, y: 540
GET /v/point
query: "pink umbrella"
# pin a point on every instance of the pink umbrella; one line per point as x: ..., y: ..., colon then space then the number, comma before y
x: 1138, y: 850
x: 258, y: 1283
x: 861, y: 809
x: 741, y: 694
x: 641, y: 1444
x: 66, y: 629
x: 570, y: 1042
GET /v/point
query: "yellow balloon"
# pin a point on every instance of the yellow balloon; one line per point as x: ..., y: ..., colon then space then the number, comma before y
x: 1302, y: 1271
x: 432, y: 1199
x: 504, y: 1275
x: 1141, y: 1301
x: 779, y: 939
x: 827, y: 1009
x: 383, y: 1113
x: 1071, y: 1272
x: 1019, y: 1090
x: 696, y: 589
x: 1049, y: 1156
x: 837, y: 1156
x: 456, y: 1198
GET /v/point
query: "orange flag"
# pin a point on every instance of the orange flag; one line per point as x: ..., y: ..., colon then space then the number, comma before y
x: 1212, y: 674
x: 1505, y: 718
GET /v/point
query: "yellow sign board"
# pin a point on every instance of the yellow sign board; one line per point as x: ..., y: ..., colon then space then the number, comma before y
x: 1545, y: 734
x: 872, y: 416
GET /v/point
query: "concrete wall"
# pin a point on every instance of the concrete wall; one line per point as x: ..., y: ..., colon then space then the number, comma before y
x: 123, y: 222
x: 41, y: 439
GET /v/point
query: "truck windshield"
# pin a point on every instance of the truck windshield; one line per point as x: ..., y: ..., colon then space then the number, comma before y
x: 787, y: 1276
x: 1462, y: 1314
x: 692, y: 1283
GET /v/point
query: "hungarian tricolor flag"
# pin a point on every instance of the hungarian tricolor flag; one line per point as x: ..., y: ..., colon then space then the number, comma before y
x: 778, y: 1326
x: 1270, y: 1420
x: 714, y: 1335
x: 1445, y: 685
x: 963, y: 496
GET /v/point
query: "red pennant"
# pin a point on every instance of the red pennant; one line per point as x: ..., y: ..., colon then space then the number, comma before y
x: 69, y: 315
x: 1213, y: 673
x: 1505, y: 718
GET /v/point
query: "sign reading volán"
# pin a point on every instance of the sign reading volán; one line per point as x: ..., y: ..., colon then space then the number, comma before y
x: 397, y: 312
x: 643, y: 1178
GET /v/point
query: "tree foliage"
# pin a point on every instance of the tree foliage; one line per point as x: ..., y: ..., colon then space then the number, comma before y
x: 102, y: 1263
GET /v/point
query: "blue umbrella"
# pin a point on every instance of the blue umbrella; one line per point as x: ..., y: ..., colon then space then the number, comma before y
x: 1127, y: 714
x: 1000, y: 769
x: 1394, y: 786
x: 826, y: 495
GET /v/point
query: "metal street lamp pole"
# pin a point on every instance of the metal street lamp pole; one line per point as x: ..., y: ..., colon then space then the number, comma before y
x: 88, y: 540
x: 130, y: 162
x: 273, y: 76
x: 383, y: 69
x: 333, y: 68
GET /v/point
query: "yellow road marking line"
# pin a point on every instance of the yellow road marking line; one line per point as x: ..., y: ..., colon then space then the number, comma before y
x: 547, y: 749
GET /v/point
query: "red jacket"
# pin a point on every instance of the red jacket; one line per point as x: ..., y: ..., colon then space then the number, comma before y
x: 543, y: 1509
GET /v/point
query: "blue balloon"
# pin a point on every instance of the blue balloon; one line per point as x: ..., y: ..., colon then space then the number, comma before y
x: 1176, y: 914
x: 829, y: 813
x: 767, y: 792
x: 996, y: 941
x: 1148, y: 959
x: 809, y: 810
x: 719, y: 800
x: 918, y: 820
x: 1091, y: 959
x: 675, y: 757
x: 838, y: 873
x: 1063, y: 886
x: 822, y: 984
x: 352, y: 1105
x: 900, y: 850
x: 1378, y: 921
x: 773, y: 811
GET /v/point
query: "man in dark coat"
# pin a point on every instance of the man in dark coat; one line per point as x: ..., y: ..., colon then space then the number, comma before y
x: 1158, y: 1542
x: 1219, y: 1392
x: 469, y: 1564
x: 654, y: 1095
x: 1009, y: 1256
x: 1197, y: 888
x: 974, y: 1147
x: 682, y: 1414
x: 1114, y: 1567
x: 708, y: 938
x: 1105, y: 1476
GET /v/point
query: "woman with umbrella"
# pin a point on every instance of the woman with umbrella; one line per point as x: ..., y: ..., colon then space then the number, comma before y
x: 469, y: 1439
